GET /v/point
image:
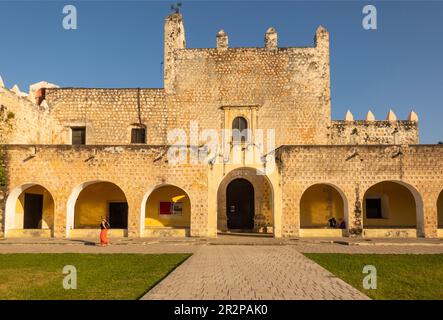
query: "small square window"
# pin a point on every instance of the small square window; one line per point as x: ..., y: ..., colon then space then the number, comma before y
x: 373, y: 209
x: 138, y: 135
x: 78, y: 135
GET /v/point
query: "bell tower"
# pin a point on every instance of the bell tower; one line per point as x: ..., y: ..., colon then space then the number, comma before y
x: 174, y: 39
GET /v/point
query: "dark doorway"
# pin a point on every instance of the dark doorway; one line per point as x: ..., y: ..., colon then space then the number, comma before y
x: 33, y: 213
x: 118, y: 215
x: 240, y: 205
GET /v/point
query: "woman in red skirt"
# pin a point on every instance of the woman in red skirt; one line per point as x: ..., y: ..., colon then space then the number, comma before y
x: 104, y: 233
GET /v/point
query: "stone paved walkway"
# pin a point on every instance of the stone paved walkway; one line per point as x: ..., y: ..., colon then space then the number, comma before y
x: 251, y: 272
x: 232, y: 267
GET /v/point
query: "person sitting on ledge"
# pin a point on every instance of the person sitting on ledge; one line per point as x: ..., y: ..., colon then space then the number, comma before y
x: 332, y: 223
x: 341, y: 224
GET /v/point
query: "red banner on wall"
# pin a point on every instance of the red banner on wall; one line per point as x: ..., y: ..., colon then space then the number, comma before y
x: 165, y: 207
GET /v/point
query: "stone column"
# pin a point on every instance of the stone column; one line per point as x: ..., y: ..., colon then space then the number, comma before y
x: 134, y: 216
x: 355, y: 213
x: 59, y: 228
x: 427, y: 225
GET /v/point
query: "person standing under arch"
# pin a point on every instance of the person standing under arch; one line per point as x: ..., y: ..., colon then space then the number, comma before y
x: 104, y: 226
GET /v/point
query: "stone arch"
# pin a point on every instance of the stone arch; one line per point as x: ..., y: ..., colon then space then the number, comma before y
x: 85, y: 210
x: 263, y: 194
x: 151, y: 207
x: 394, y: 205
x: 321, y: 202
x: 15, y: 211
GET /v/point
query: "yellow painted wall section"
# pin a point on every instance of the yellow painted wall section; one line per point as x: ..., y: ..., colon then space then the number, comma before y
x: 440, y: 210
x: 48, y: 208
x: 167, y: 194
x: 318, y: 204
x: 400, y: 203
x: 93, y: 204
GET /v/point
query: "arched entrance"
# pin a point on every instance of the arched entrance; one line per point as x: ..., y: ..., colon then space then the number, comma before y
x: 240, y: 207
x: 29, y: 212
x: 392, y: 209
x: 92, y: 201
x: 166, y: 211
x: 320, y: 204
x: 253, y: 193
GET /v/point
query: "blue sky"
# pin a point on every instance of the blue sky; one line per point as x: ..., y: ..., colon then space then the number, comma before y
x: 120, y: 44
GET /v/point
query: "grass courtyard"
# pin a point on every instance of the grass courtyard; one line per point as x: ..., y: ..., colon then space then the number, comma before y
x: 401, y: 276
x: 99, y: 276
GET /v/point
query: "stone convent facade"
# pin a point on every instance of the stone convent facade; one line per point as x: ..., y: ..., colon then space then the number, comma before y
x: 141, y: 157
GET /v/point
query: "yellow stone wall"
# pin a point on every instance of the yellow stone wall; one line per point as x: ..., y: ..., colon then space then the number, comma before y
x: 48, y: 207
x: 93, y: 204
x: 400, y: 206
x: 355, y: 169
x: 318, y: 204
x: 139, y: 169
x: 167, y: 194
x: 23, y: 122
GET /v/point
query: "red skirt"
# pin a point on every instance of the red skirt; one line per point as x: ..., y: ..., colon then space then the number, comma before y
x: 104, y: 236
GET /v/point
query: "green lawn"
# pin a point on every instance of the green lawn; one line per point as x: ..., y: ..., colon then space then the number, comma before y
x: 99, y: 276
x: 398, y: 276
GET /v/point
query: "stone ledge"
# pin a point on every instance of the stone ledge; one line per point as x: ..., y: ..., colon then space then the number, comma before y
x: 165, y: 232
x: 95, y: 233
x: 29, y: 233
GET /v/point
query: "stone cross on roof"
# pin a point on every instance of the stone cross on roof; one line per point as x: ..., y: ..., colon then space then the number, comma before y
x: 176, y: 7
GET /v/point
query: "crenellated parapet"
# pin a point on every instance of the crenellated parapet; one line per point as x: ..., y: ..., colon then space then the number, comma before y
x: 373, y: 131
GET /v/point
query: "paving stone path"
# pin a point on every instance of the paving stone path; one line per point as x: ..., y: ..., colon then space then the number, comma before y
x: 238, y: 267
x: 251, y: 272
